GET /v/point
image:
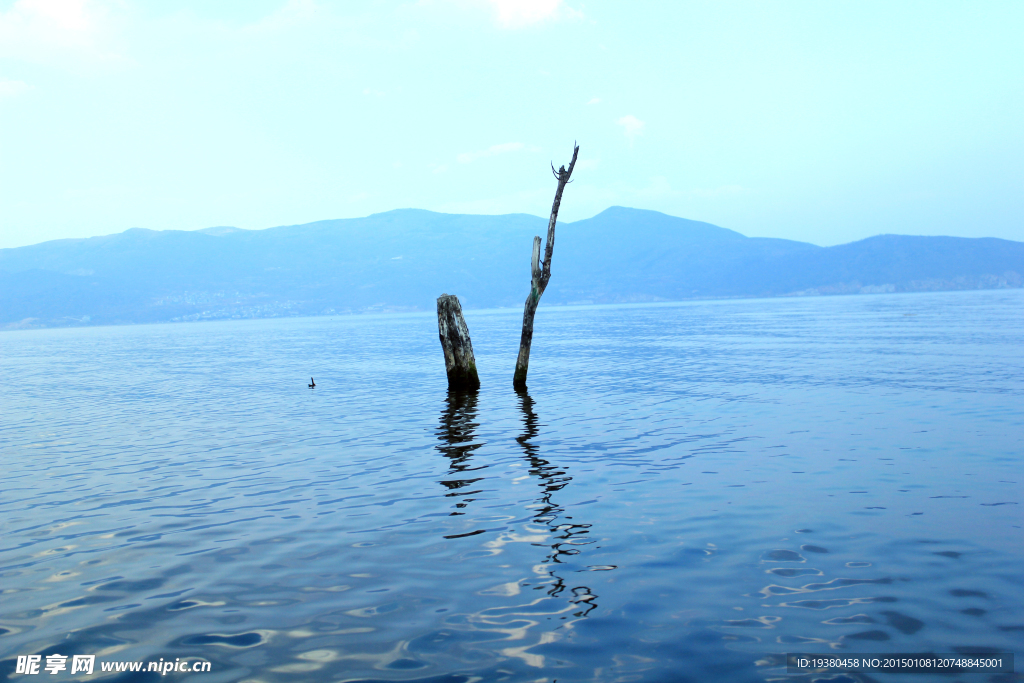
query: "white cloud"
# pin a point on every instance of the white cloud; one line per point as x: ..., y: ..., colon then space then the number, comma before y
x: 512, y: 14
x: 12, y: 88
x: 519, y: 13
x: 537, y: 202
x: 594, y: 100
x: 67, y: 15
x: 470, y: 157
x: 632, y: 125
x: 722, y: 192
x: 54, y: 31
x: 291, y: 14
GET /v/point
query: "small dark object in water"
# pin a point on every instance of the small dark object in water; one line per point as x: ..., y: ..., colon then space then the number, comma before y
x: 312, y: 383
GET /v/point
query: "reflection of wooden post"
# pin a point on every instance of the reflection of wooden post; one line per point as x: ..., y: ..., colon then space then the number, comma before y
x: 540, y: 274
x: 459, y: 361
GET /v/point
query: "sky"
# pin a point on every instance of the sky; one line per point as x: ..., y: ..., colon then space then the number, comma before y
x: 820, y: 122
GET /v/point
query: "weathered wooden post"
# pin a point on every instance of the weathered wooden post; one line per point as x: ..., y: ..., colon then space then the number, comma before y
x: 459, y: 361
x: 541, y: 274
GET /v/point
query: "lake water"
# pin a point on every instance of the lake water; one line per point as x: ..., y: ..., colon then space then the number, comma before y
x: 686, y: 493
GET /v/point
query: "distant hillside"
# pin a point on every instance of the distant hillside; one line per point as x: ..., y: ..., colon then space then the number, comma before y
x: 402, y: 260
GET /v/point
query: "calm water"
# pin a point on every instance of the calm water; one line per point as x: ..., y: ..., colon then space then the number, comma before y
x: 686, y: 493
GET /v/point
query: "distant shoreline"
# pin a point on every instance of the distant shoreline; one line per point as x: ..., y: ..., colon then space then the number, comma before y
x: 402, y: 260
x: 506, y: 309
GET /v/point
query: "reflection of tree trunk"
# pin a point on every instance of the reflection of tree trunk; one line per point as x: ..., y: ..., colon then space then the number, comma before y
x: 568, y: 534
x: 457, y: 433
x: 529, y: 425
x: 540, y: 275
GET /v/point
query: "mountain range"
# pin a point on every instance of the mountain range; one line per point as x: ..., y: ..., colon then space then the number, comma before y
x: 403, y: 259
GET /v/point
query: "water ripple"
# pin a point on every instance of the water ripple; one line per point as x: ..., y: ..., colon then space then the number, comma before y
x: 687, y: 491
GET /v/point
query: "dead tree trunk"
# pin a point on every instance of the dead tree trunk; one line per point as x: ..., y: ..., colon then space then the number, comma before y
x: 541, y: 274
x: 459, y: 361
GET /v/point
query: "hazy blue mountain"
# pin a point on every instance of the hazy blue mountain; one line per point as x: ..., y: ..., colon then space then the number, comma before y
x: 402, y: 260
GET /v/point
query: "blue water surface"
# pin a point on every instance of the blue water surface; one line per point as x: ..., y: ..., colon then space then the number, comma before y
x: 687, y: 492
